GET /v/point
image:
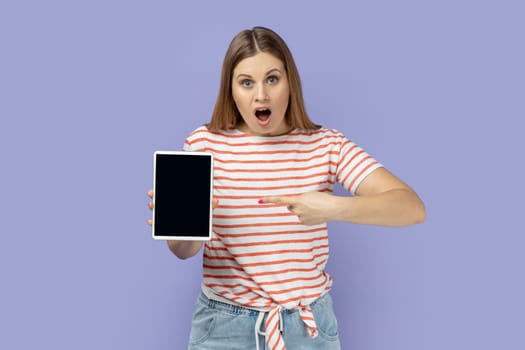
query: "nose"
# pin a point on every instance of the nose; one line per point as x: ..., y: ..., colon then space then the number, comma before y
x: 261, y: 94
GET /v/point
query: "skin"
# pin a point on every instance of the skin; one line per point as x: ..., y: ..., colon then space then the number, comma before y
x: 259, y: 82
x: 182, y: 249
x: 381, y: 198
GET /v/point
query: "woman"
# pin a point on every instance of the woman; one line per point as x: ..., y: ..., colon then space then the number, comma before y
x: 264, y: 269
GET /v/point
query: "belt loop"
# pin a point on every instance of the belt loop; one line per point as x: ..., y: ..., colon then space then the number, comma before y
x: 281, y: 326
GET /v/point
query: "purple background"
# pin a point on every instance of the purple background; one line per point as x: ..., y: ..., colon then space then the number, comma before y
x: 88, y: 90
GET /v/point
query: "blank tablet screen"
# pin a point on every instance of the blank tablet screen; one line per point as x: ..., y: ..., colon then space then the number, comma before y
x: 182, y: 193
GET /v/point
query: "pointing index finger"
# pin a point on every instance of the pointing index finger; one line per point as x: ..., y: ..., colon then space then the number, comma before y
x: 285, y: 200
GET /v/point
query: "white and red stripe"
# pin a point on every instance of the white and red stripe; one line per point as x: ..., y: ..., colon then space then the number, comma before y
x: 261, y: 256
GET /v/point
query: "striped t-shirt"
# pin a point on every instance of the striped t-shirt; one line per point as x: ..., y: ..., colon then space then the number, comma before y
x: 260, y: 255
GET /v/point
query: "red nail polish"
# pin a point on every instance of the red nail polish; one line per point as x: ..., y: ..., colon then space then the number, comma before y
x: 260, y: 201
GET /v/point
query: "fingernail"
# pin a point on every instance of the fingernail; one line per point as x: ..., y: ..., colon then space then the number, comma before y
x: 260, y: 201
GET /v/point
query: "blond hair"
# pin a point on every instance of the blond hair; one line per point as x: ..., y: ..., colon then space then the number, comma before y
x: 246, y: 44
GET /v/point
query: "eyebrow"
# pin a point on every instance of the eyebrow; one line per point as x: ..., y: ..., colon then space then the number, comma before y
x: 267, y: 73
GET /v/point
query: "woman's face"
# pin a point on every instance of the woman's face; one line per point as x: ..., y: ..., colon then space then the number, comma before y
x: 261, y: 93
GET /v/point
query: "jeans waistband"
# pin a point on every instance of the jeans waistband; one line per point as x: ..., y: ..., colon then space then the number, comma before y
x: 240, y: 310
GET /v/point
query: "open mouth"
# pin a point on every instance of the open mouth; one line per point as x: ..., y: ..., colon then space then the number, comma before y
x: 263, y: 114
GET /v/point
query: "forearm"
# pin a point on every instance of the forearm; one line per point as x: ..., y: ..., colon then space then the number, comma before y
x: 397, y: 207
x: 184, y: 249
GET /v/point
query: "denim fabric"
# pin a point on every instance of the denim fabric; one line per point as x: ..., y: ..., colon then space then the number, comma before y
x: 218, y: 326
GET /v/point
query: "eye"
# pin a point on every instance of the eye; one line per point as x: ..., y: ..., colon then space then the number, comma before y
x: 246, y: 83
x: 272, y: 79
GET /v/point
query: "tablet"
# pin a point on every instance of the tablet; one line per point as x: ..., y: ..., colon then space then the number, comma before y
x: 182, y: 194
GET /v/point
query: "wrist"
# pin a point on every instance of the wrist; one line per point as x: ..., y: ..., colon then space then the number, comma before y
x: 341, y: 208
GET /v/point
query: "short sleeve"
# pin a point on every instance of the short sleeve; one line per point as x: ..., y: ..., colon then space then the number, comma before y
x: 354, y: 165
x: 197, y: 140
x: 187, y: 147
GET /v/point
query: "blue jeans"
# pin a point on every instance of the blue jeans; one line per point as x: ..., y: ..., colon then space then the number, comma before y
x: 218, y: 326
